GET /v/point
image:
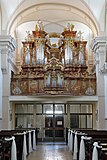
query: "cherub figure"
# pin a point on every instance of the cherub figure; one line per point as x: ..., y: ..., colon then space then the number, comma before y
x: 29, y: 36
x: 72, y: 27
x: 68, y: 27
x: 79, y: 35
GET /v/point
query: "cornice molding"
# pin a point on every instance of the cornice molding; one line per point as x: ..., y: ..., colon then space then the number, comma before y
x: 7, y: 47
x: 54, y: 99
x: 7, y: 41
x: 97, y: 43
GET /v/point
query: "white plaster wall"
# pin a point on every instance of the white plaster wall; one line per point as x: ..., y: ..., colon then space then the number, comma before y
x: 105, y: 83
x: 0, y: 93
x: 98, y: 9
x: 99, y: 51
x: 7, y: 48
x: 7, y: 8
x: 105, y: 80
x: 0, y: 20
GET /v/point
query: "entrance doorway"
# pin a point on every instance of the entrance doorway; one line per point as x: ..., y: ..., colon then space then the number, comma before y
x: 54, y: 122
x: 54, y: 127
x: 52, y: 119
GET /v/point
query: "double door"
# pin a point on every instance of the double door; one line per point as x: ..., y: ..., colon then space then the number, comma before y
x: 54, y: 122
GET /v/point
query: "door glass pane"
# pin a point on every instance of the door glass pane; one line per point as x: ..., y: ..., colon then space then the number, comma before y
x: 86, y: 121
x: 40, y: 124
x: 83, y: 120
x: 30, y: 108
x: 59, y: 133
x: 20, y: 108
x: 24, y: 108
x: 59, y: 108
x: 48, y: 108
x: 74, y: 121
x: 49, y: 133
x: 86, y: 108
x: 59, y: 121
x: 59, y: 124
x: 48, y: 121
x: 39, y: 121
x: 39, y: 108
x: 49, y: 126
x: 74, y: 108
x: 24, y: 121
x: 89, y: 121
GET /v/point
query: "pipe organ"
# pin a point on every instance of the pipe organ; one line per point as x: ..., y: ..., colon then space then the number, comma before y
x: 54, y: 64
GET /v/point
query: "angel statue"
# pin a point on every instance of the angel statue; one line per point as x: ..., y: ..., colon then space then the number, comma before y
x: 79, y: 35
x: 40, y: 25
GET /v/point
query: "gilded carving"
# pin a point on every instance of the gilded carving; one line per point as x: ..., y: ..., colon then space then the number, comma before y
x: 54, y: 64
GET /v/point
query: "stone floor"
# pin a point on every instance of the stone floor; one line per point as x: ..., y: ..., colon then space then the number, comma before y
x: 51, y: 151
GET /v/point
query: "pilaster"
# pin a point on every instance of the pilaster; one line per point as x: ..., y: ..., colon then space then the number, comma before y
x: 99, y: 49
x: 7, y: 45
x: 0, y: 92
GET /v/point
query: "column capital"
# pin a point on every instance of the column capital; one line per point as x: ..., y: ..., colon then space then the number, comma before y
x: 99, y: 49
x: 7, y: 46
x: 97, y: 43
x: 8, y: 42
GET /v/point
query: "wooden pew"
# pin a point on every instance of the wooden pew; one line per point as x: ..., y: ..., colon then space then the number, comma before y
x: 104, y: 151
x: 19, y: 138
x: 6, y: 145
x: 5, y: 149
x: 104, y: 156
x: 99, y: 136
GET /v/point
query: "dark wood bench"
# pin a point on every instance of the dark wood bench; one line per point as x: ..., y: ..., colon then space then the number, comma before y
x: 99, y: 136
x: 19, y: 138
x: 6, y: 144
x: 5, y: 149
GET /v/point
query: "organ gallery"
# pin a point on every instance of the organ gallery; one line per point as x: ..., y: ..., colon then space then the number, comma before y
x: 54, y: 63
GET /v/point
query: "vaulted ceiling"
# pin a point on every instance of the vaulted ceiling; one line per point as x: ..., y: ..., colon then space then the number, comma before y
x: 52, y: 13
x: 19, y: 16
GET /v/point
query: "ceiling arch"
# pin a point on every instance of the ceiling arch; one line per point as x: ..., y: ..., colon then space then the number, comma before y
x: 53, y: 13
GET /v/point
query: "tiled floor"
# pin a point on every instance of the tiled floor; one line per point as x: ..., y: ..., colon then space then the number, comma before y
x: 51, y: 151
